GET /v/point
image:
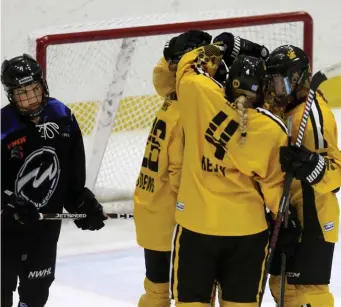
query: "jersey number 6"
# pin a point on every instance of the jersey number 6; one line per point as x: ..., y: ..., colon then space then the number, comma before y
x: 158, y: 131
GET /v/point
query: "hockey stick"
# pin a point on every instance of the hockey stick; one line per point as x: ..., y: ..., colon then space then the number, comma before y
x: 283, y: 264
x: 316, y: 81
x: 286, y: 218
x: 74, y: 216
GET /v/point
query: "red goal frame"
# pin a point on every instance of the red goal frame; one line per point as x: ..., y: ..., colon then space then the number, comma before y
x: 67, y: 38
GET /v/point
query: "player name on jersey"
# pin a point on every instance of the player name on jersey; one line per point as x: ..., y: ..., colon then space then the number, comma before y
x: 210, y: 167
x: 145, y: 182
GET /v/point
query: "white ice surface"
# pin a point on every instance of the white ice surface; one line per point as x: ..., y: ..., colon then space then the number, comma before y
x: 106, y: 268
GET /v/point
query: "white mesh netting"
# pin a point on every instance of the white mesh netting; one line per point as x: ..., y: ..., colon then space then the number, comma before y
x: 87, y: 75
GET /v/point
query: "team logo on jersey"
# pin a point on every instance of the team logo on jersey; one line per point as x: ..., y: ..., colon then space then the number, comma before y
x: 38, y: 177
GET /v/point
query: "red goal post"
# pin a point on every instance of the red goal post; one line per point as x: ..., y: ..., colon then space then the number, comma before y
x: 105, y: 76
x: 225, y: 23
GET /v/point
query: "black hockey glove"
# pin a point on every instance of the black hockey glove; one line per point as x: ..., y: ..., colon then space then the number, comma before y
x: 304, y: 164
x: 22, y: 211
x: 234, y: 46
x: 89, y: 205
x: 185, y: 42
x: 288, y: 238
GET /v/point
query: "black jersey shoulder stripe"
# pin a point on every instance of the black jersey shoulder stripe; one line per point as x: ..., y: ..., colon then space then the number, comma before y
x: 275, y: 118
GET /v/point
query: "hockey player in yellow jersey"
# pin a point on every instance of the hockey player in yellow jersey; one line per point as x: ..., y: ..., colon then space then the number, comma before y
x: 156, y: 191
x: 317, y: 169
x: 156, y: 236
x: 230, y: 169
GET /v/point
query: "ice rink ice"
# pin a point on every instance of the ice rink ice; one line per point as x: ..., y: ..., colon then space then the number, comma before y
x: 106, y: 268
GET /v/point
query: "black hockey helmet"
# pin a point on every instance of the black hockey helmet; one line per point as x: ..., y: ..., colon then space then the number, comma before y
x: 288, y: 72
x: 19, y: 72
x: 246, y: 78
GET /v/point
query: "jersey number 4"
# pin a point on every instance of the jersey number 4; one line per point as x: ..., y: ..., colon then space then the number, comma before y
x: 151, y: 159
x: 220, y: 143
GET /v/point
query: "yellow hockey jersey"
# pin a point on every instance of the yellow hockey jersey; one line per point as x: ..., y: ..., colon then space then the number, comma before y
x: 163, y: 78
x: 158, y: 182
x: 224, y: 185
x: 317, y: 206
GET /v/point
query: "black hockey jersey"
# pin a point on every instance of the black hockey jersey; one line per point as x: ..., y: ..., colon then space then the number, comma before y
x: 43, y: 164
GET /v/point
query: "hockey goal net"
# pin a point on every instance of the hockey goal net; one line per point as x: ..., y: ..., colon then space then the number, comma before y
x: 103, y: 72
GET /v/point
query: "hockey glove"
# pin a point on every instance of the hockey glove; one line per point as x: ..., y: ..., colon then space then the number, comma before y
x: 89, y: 205
x: 304, y: 164
x: 234, y: 46
x: 288, y: 238
x: 185, y: 42
x: 21, y: 210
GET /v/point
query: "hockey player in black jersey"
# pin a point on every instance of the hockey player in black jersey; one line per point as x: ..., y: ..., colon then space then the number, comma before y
x: 42, y: 171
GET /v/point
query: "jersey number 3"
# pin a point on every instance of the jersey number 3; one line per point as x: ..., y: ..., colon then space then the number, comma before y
x: 151, y: 159
x: 220, y: 143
